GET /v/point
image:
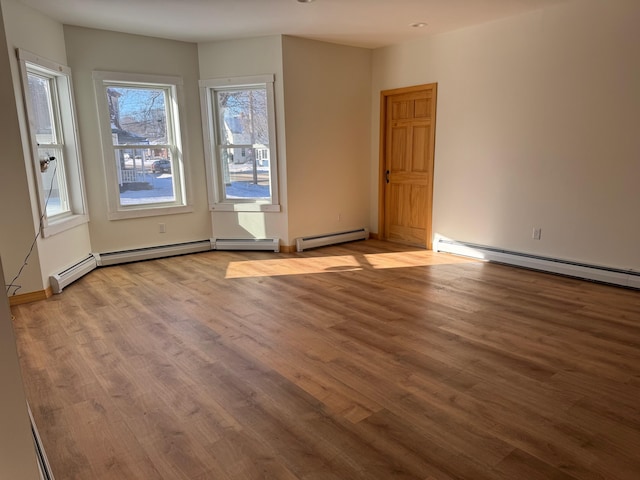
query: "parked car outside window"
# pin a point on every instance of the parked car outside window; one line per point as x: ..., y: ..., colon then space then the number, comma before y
x: 161, y: 166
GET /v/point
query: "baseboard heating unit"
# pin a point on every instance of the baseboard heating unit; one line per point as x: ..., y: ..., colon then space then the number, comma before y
x: 615, y: 276
x: 271, y: 244
x: 94, y: 260
x: 149, y: 253
x: 304, y: 243
x: 71, y: 274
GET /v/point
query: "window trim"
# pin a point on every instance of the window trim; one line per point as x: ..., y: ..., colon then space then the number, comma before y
x: 217, y: 202
x: 67, y: 123
x: 175, y: 110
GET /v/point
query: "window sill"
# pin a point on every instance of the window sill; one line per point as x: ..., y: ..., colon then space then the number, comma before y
x: 148, y: 212
x: 55, y: 226
x: 245, y: 207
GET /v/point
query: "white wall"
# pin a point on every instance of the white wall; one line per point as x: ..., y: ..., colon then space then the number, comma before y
x: 537, y: 126
x: 322, y: 100
x: 90, y: 50
x: 17, y: 453
x: 32, y: 31
x: 328, y: 110
x: 245, y: 57
x: 17, y: 458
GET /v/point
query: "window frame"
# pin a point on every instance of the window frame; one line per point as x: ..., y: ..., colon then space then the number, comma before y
x: 174, y: 106
x: 70, y: 165
x: 217, y: 200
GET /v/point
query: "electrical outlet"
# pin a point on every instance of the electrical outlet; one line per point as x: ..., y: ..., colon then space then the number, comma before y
x: 537, y: 233
x: 162, y: 228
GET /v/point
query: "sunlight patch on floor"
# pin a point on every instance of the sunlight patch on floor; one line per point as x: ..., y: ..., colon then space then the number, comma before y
x: 292, y: 266
x: 419, y: 258
x: 340, y: 263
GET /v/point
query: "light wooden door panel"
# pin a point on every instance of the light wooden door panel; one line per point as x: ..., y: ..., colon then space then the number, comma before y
x: 407, y: 173
x: 423, y: 107
x: 398, y: 157
x: 420, y: 149
x: 407, y: 224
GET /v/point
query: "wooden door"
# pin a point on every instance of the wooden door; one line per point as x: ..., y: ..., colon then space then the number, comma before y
x: 408, y: 135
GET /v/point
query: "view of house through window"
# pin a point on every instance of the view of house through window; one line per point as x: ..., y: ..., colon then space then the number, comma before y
x: 142, y: 142
x: 244, y: 142
x: 142, y: 150
x: 240, y: 132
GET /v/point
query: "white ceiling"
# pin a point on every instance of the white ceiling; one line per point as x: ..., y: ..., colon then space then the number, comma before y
x: 364, y: 23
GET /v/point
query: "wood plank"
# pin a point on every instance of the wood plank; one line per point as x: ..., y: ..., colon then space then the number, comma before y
x: 369, y: 360
x: 22, y: 298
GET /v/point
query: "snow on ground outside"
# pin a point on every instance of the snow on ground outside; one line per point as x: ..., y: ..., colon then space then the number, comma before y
x: 162, y: 191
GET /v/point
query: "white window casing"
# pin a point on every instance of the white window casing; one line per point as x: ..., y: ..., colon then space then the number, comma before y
x: 55, y: 147
x: 152, y: 161
x: 227, y: 147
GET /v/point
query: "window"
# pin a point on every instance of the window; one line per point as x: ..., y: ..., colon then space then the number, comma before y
x: 239, y: 124
x: 54, y: 144
x: 142, y: 144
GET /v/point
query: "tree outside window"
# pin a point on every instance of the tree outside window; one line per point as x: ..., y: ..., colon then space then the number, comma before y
x: 241, y: 135
x: 142, y: 143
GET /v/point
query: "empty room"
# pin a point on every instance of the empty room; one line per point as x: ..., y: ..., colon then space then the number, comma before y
x: 320, y: 239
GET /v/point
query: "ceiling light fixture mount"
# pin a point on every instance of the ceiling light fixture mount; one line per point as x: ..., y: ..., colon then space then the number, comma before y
x: 305, y: 1
x: 415, y: 25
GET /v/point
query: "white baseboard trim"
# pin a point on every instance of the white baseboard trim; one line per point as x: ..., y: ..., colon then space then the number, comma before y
x: 305, y: 243
x: 269, y: 244
x: 72, y: 273
x: 614, y: 276
x: 150, y: 253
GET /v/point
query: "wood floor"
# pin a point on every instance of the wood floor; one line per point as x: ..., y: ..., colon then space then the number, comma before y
x: 363, y: 361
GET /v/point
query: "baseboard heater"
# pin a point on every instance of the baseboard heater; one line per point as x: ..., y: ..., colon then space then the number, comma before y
x: 615, y: 276
x: 94, y: 260
x: 150, y: 253
x: 71, y: 274
x: 304, y: 243
x: 271, y: 244
x: 41, y: 457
